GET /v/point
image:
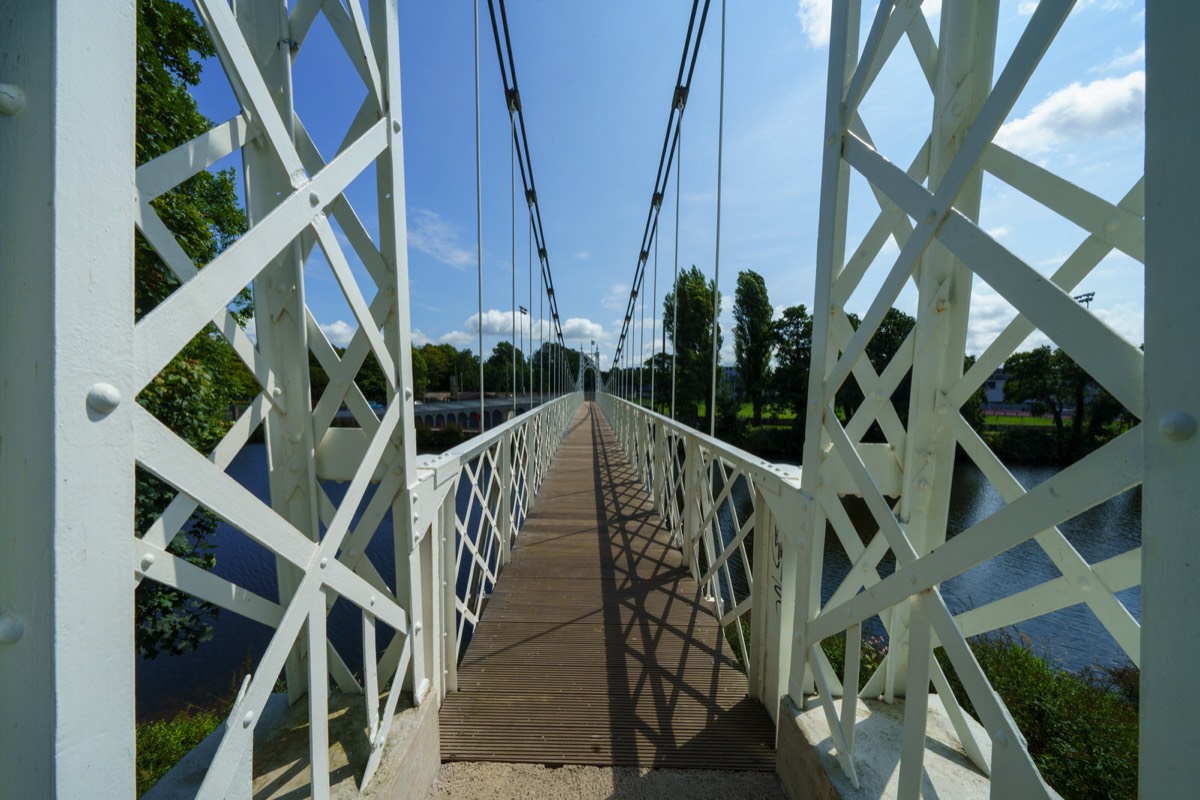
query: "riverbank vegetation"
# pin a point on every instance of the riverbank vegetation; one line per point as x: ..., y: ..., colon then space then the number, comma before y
x: 162, y: 743
x: 1081, y: 727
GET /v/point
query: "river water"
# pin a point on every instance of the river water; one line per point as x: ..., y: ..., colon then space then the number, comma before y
x: 1071, y: 636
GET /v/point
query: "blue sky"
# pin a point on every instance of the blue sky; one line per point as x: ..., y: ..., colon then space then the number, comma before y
x: 596, y: 80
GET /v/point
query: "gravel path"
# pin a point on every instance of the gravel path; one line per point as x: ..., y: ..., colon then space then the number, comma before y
x: 497, y: 781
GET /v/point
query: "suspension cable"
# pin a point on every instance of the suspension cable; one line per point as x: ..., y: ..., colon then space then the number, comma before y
x: 479, y: 222
x: 541, y: 322
x: 641, y: 353
x: 512, y: 196
x: 687, y: 64
x: 712, y: 408
x: 675, y: 291
x: 654, y: 305
x: 512, y: 94
x: 529, y: 357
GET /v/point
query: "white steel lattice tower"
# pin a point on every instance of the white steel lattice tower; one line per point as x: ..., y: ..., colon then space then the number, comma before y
x: 82, y: 360
x: 932, y: 210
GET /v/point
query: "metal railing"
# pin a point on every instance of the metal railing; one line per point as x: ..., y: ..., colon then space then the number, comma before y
x: 486, y: 487
x: 720, y: 504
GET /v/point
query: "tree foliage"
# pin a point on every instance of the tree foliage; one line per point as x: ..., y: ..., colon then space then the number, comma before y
x: 753, y: 338
x: 1050, y: 381
x: 793, y: 357
x: 193, y: 393
x: 498, y: 369
x: 691, y: 336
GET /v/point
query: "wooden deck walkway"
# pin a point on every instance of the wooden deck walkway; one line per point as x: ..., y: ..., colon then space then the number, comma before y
x: 596, y: 647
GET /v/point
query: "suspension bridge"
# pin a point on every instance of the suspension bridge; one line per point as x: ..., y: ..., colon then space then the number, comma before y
x: 590, y: 581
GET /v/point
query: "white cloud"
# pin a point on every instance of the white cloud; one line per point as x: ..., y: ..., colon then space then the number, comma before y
x: 458, y: 339
x: 419, y: 338
x: 1127, y: 319
x: 999, y: 232
x: 990, y: 315
x: 815, y: 16
x: 1077, y: 112
x: 583, y: 255
x: 495, y: 322
x: 433, y: 236
x: 1123, y: 61
x: 339, y: 333
x: 582, y: 329
x: 617, y: 297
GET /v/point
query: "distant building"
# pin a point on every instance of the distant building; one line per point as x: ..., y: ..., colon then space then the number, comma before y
x: 993, y: 389
x: 731, y: 379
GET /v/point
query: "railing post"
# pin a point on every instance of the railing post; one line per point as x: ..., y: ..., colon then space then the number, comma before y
x: 448, y: 534
x: 1170, y: 505
x: 506, y: 498
x: 67, y: 400
x: 691, y: 512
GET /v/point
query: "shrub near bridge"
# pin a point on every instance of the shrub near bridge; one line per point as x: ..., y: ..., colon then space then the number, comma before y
x: 1081, y: 728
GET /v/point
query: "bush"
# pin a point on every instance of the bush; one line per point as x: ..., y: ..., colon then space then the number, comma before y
x: 1081, y: 728
x: 160, y: 744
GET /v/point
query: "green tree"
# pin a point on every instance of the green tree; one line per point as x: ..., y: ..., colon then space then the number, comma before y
x: 466, y: 370
x: 691, y: 337
x: 793, y: 358
x: 753, y: 338
x: 1050, y: 380
x: 193, y: 393
x: 498, y: 369
x: 439, y: 365
x: 420, y: 373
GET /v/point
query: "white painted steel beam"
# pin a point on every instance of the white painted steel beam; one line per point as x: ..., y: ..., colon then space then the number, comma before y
x: 1170, y: 503
x: 67, y: 400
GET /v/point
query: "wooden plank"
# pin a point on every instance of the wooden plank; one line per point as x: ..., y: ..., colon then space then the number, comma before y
x: 597, y: 647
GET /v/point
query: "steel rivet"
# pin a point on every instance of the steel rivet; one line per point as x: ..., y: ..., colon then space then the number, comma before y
x: 314, y: 199
x: 931, y: 216
x: 408, y: 393
x: 11, y: 628
x: 372, y: 600
x: 324, y: 563
x: 396, y: 126
x: 1085, y: 585
x: 831, y: 139
x: 1001, y: 738
x: 417, y: 628
x: 147, y: 560
x: 248, y: 720
x: 1112, y: 224
x: 913, y: 579
x: 1178, y: 426
x: 12, y: 99
x: 103, y: 398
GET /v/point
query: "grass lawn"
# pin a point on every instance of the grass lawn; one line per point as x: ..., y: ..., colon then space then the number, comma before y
x: 990, y: 419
